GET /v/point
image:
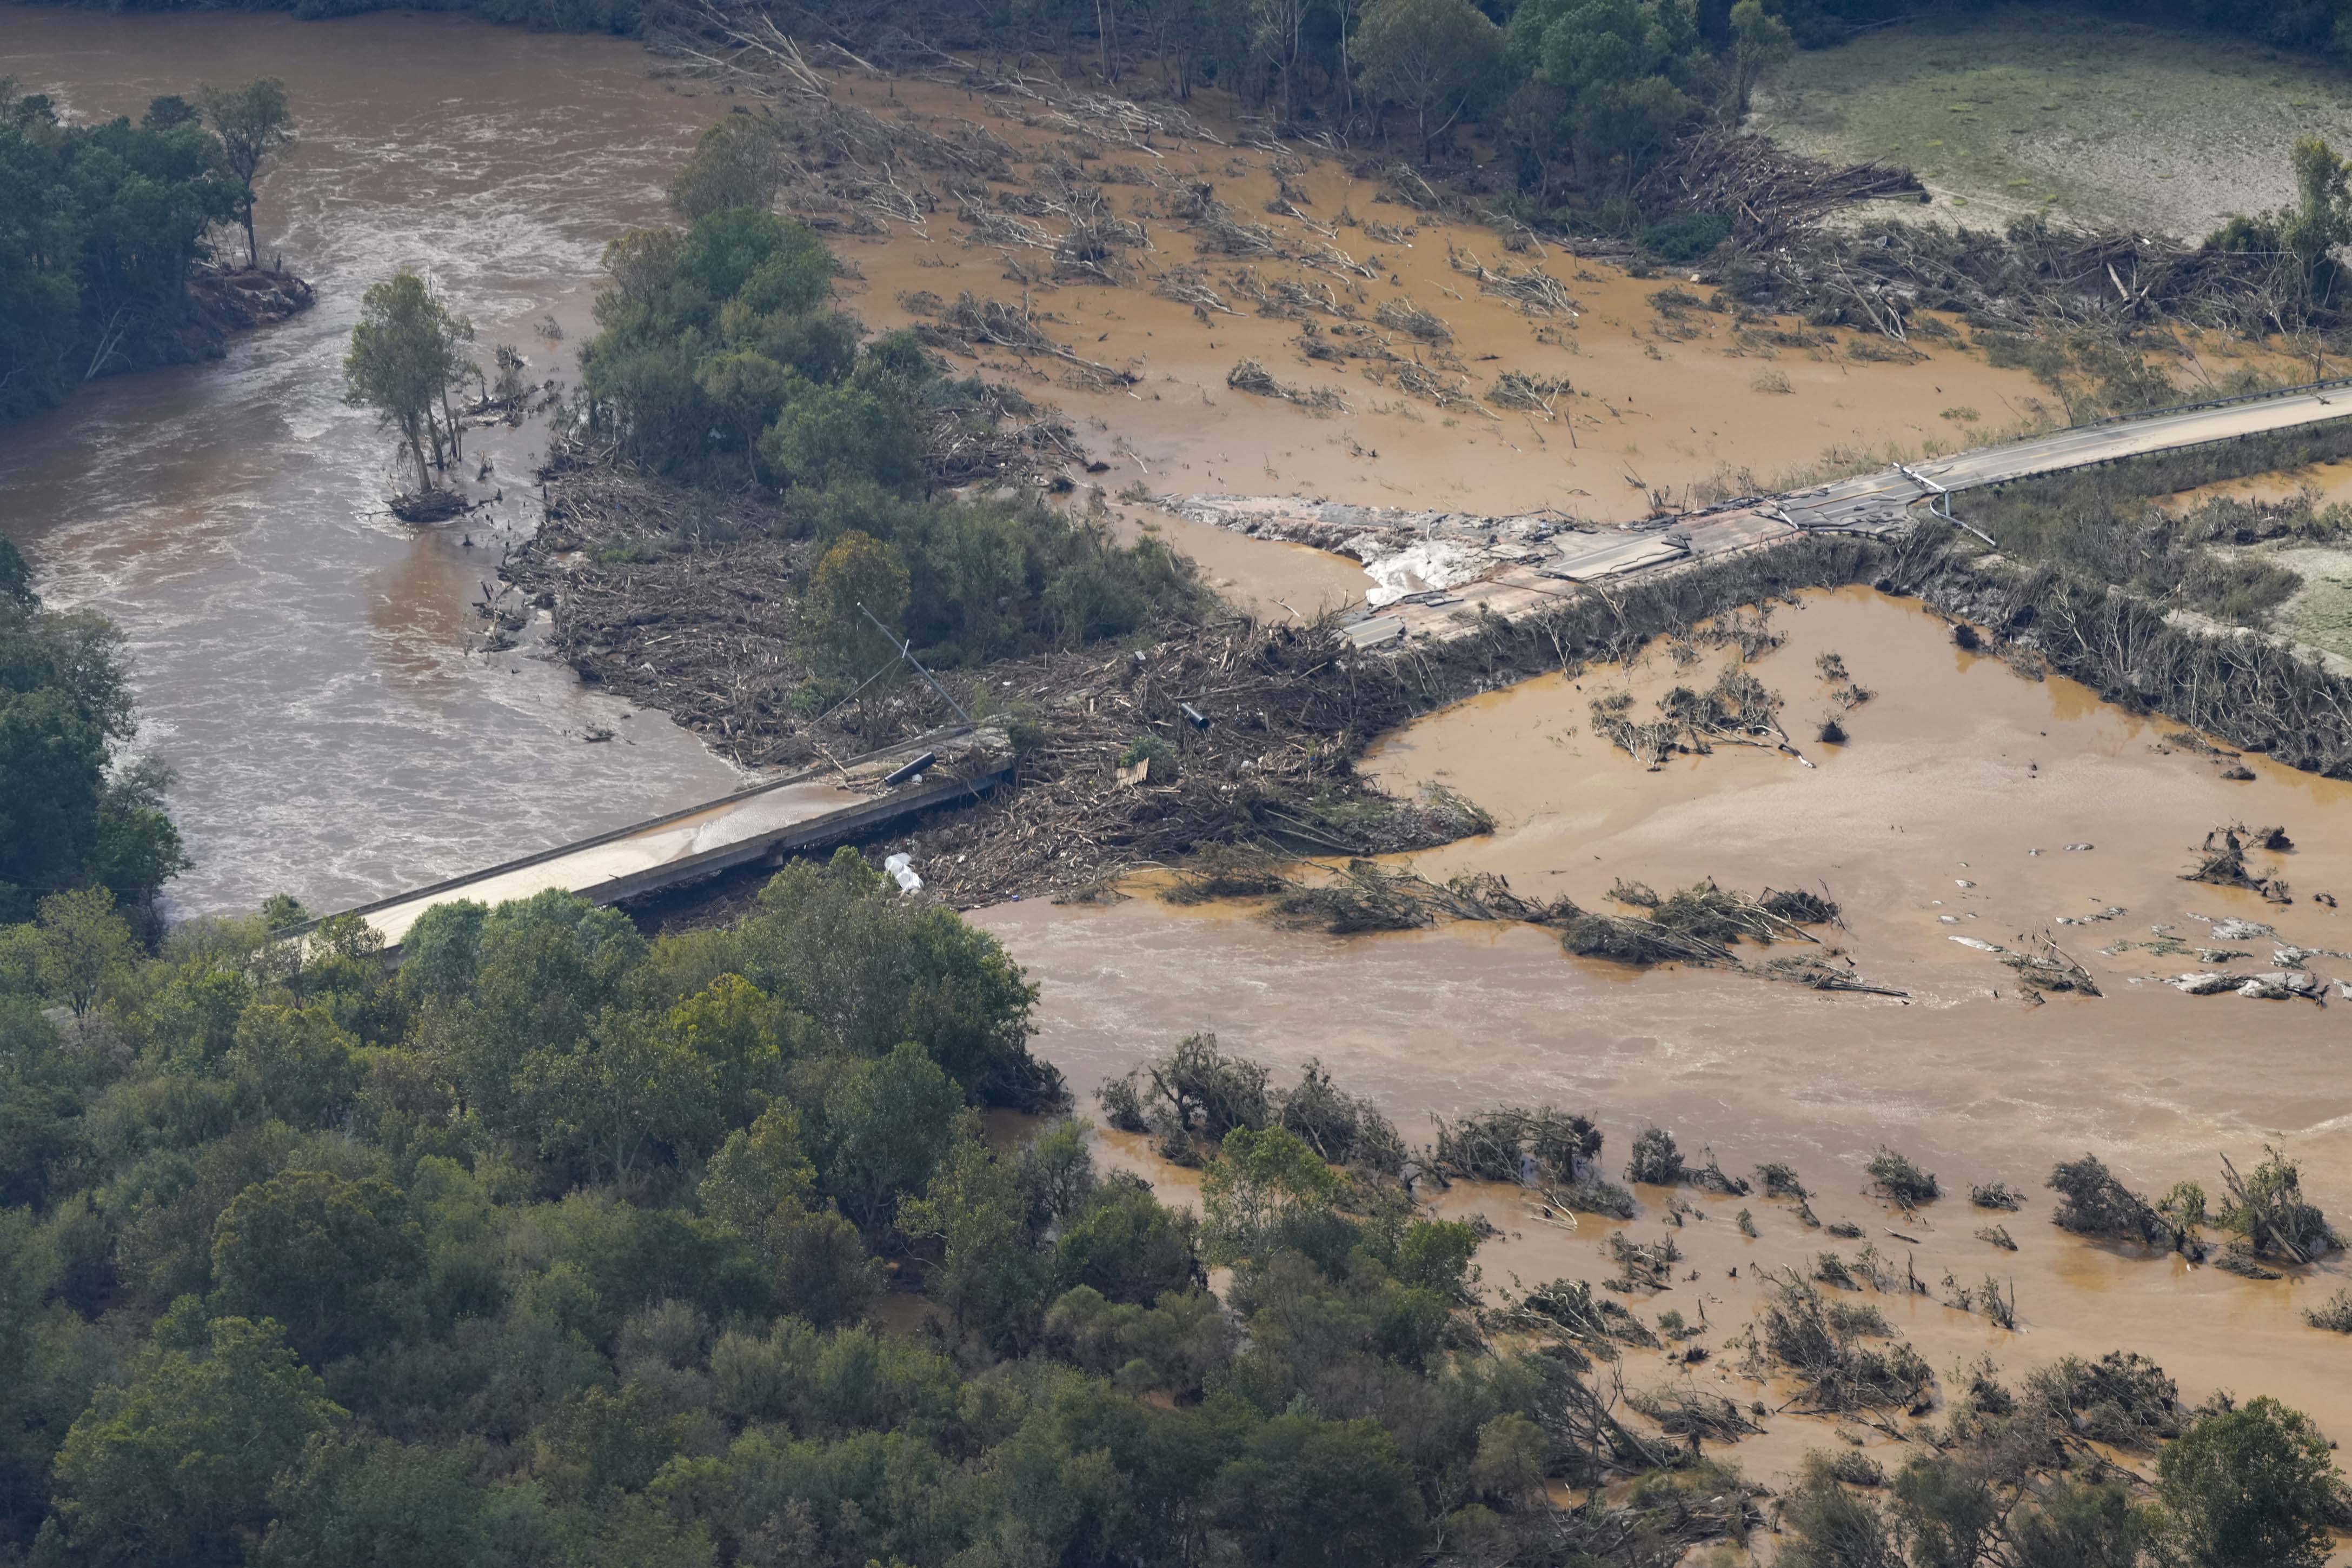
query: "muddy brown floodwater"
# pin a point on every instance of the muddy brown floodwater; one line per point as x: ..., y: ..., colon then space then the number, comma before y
x: 303, y: 660
x: 301, y: 657
x: 1924, y: 827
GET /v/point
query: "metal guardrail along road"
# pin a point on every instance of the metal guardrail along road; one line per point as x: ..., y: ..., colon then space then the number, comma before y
x: 807, y: 810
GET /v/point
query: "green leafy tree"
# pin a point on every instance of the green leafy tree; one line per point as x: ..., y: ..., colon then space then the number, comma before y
x: 859, y: 576
x: 406, y: 355
x: 627, y: 1093
x: 543, y: 969
x: 363, y: 1502
x: 252, y: 122
x: 992, y: 1279
x: 719, y: 327
x: 605, y: 1441
x: 1829, y: 1527
x: 1434, y: 57
x: 1620, y: 74
x: 738, y: 162
x: 106, y: 221
x: 1946, y: 1512
x: 889, y: 1120
x: 743, y: 1033
x: 1759, y: 41
x: 44, y: 1092
x: 2077, y: 1525
x: 749, y: 390
x: 758, y: 1169
x: 442, y: 952
x: 2306, y: 234
x: 79, y: 944
x: 176, y: 1465
x: 870, y: 969
x: 2252, y: 1488
x: 297, y: 1062
x: 1260, y: 1181
x: 73, y: 811
x: 136, y: 848
x: 1308, y: 1492
x: 820, y: 1269
x: 29, y: 1270
x: 2321, y: 218
x: 1125, y: 1243
x: 838, y: 435
x: 16, y: 578
x: 334, y: 1261
x: 1512, y: 1460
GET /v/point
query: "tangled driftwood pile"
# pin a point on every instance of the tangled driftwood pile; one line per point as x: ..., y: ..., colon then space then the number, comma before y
x: 1769, y: 192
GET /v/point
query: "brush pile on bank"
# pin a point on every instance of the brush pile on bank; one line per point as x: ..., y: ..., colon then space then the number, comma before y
x: 1195, y: 1095
x: 1553, y: 1152
x: 2265, y: 1215
x: 1835, y: 1352
x: 2249, y: 688
x: 1771, y: 192
x: 2034, y: 275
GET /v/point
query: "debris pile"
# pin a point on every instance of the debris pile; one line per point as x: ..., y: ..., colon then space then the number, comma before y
x: 1251, y: 376
x: 1825, y: 1346
x: 2223, y: 860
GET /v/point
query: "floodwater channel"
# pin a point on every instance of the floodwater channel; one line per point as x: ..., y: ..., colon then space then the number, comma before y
x: 308, y: 665
x: 302, y: 658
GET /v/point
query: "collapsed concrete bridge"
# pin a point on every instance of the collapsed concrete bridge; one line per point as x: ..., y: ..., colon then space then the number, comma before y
x: 1427, y: 565
x: 1508, y: 565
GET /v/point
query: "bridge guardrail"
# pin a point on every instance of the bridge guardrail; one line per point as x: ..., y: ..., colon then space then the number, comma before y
x: 768, y: 786
x: 2300, y: 389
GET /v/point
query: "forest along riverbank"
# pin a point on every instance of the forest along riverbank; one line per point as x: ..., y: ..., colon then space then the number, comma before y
x: 303, y: 660
x: 1923, y: 826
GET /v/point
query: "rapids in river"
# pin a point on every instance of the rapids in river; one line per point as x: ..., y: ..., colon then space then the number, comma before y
x: 302, y: 658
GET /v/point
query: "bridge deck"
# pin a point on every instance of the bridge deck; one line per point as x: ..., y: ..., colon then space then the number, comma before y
x: 1877, y: 500
x: 1878, y: 503
x: 804, y: 811
x: 816, y: 808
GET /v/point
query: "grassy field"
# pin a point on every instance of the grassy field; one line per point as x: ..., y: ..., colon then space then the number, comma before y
x: 2321, y: 615
x: 2096, y: 119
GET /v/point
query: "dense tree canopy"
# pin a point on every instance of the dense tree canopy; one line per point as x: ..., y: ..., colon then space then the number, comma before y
x: 559, y: 1248
x: 75, y: 810
x: 103, y: 224
x: 722, y: 362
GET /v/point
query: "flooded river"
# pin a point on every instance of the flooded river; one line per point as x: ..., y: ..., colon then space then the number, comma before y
x: 302, y: 656
x: 304, y: 662
x: 1949, y: 813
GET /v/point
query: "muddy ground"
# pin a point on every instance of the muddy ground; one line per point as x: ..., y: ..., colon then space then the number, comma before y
x: 1662, y: 400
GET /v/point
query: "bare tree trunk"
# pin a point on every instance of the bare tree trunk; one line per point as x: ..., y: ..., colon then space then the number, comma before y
x: 110, y: 339
x: 416, y: 450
